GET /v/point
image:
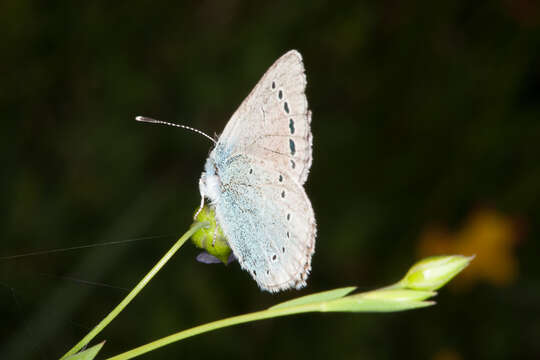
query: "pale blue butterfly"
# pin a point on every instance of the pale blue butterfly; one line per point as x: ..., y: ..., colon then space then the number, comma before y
x: 254, y: 179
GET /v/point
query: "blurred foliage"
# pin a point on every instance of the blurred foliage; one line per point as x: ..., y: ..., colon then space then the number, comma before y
x: 423, y: 112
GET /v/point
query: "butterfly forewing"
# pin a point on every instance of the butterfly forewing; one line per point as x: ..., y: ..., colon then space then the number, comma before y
x: 274, y: 120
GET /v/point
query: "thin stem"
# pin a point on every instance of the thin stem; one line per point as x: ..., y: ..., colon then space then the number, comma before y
x: 337, y: 300
x: 259, y: 315
x: 103, y: 323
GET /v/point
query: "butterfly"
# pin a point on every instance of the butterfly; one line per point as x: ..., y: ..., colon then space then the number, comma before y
x: 254, y: 179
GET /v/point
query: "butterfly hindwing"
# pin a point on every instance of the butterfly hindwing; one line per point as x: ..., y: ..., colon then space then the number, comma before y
x: 268, y: 221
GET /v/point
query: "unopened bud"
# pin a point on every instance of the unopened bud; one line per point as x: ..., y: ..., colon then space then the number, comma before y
x: 211, y: 238
x: 432, y: 273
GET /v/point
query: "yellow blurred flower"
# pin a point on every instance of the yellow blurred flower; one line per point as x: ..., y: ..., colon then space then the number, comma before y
x: 447, y: 354
x: 487, y: 234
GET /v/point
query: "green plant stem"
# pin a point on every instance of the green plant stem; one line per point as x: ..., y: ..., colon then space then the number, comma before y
x: 338, y: 302
x: 259, y: 315
x: 103, y: 323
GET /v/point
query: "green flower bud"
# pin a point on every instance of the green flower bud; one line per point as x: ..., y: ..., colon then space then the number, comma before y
x: 432, y: 273
x: 211, y: 238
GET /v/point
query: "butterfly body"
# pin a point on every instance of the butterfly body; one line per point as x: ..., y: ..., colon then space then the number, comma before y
x: 254, y: 178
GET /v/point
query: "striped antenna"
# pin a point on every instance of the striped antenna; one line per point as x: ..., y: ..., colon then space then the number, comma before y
x: 154, y: 121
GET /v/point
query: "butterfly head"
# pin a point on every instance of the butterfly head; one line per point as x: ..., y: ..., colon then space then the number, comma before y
x: 210, y: 183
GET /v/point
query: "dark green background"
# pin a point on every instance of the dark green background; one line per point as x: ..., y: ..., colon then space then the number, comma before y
x: 422, y: 111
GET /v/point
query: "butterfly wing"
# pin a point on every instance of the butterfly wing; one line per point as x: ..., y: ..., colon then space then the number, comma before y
x: 262, y: 159
x: 274, y: 120
x: 268, y: 221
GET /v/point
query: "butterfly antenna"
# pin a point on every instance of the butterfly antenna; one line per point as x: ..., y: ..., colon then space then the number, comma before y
x: 154, y: 121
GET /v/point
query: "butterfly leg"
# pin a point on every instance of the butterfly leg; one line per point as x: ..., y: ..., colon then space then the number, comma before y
x: 202, y: 200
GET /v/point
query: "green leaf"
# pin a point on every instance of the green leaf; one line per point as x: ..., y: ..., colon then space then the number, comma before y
x: 360, y: 304
x: 318, y: 297
x: 397, y: 295
x: 87, y: 354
